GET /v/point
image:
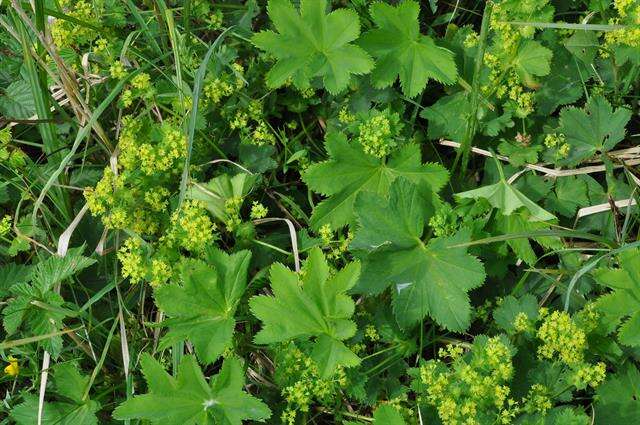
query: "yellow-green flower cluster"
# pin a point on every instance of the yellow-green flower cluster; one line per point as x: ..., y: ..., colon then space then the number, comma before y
x: 629, y: 36
x: 239, y: 121
x: 262, y: 135
x: 139, y: 151
x: 149, y: 155
x: 504, y: 81
x: 442, y: 223
x: 302, y: 385
x: 624, y: 7
x: 117, y: 71
x: 103, y: 200
x: 100, y: 45
x: 371, y: 333
x: 471, y: 40
x: 5, y: 136
x: 626, y: 36
x: 14, y: 156
x: 483, y: 312
x: 141, y: 81
x: 590, y: 375
x: 521, y: 98
x: 376, y: 137
x: 326, y: 234
x: 521, y: 323
x: 223, y: 86
x: 5, y: 225
x: 510, y: 88
x: 232, y: 210
x: 346, y: 117
x: 157, y: 198
x: 140, y: 88
x: 215, y: 20
x: 258, y: 211
x: 217, y: 89
x: 558, y: 142
x: 507, y: 37
x: 161, y: 272
x: 588, y: 318
x: 191, y: 227
x: 561, y: 339
x: 538, y: 399
x: 474, y: 388
x: 307, y: 93
x: 67, y: 33
x: 132, y: 260
x: 337, y: 247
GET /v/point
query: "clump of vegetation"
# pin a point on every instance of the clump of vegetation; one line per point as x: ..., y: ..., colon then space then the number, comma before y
x: 319, y: 212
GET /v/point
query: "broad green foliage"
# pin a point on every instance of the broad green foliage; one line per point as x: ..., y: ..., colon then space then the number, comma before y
x: 532, y: 59
x: 569, y: 194
x: 201, y: 309
x: 401, y: 51
x: 387, y: 414
x: 621, y: 306
x: 188, y: 399
x: 220, y: 190
x: 595, y: 129
x: 313, y: 212
x: 507, y: 199
x: 72, y: 407
x: 506, y: 314
x: 618, y: 398
x: 426, y: 278
x: 17, y: 101
x: 349, y: 171
x: 312, y: 44
x: 35, y: 306
x: 319, y: 304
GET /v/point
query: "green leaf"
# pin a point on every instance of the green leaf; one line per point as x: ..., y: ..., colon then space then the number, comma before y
x: 565, y: 416
x: 445, y: 115
x: 26, y: 413
x: 505, y: 314
x: 187, y: 399
x: 563, y: 85
x: 595, y: 129
x: 202, y: 309
x: 569, y: 194
x: 622, y: 305
x: 519, y: 222
x: 17, y: 101
x: 583, y: 45
x: 386, y: 414
x: 403, y: 52
x: 532, y: 59
x: 312, y: 44
x: 350, y: 171
x: 328, y: 353
x: 618, y: 398
x: 35, y: 306
x: 218, y: 190
x: 507, y: 199
x: 519, y: 155
x: 71, y: 409
x: 12, y: 273
x: 69, y: 382
x: 318, y: 302
x: 427, y: 278
x: 56, y: 269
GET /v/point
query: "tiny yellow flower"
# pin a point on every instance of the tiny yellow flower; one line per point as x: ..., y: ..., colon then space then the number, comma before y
x: 12, y: 369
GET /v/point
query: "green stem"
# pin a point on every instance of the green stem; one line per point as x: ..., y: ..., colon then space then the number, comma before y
x: 472, y: 125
